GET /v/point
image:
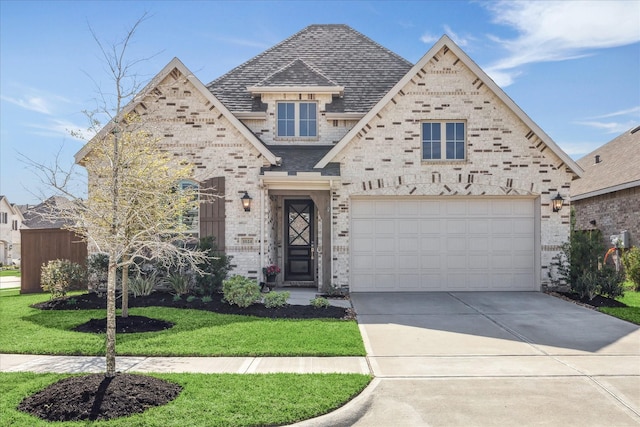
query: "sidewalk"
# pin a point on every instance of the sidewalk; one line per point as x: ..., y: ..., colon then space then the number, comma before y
x: 205, y: 365
x: 9, y: 282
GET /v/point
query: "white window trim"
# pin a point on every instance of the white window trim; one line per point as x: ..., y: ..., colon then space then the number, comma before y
x: 443, y: 141
x: 296, y: 121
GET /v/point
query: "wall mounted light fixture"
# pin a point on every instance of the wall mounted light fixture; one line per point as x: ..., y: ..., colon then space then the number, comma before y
x: 246, y: 202
x: 556, y: 203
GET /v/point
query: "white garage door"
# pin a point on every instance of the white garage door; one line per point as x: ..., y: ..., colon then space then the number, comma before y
x: 442, y: 244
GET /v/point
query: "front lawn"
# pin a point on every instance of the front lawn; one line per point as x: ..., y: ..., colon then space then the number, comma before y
x: 208, y: 400
x: 196, y: 333
x: 10, y: 273
x: 631, y: 313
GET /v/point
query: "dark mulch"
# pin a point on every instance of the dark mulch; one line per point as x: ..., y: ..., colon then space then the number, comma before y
x: 94, y: 397
x: 596, y: 302
x: 129, y: 324
x: 162, y: 299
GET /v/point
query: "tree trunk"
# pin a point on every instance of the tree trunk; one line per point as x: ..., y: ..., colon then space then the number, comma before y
x: 111, y: 317
x: 125, y: 287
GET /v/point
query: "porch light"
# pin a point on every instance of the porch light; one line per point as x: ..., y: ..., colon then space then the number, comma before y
x: 556, y: 203
x: 246, y: 202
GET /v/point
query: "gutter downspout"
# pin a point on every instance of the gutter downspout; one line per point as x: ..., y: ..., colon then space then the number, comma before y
x: 262, y: 212
x: 331, y: 231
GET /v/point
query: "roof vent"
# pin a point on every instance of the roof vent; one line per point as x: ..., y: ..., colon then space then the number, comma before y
x: 598, y: 159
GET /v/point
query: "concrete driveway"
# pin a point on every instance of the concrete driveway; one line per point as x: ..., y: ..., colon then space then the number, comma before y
x: 496, y: 359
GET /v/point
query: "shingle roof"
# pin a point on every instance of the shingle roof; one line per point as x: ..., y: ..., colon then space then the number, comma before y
x: 339, y: 53
x: 45, y: 215
x: 302, y: 158
x: 297, y: 73
x: 619, y: 164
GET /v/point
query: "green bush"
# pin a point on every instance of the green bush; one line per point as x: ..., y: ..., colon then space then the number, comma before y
x: 216, y: 268
x: 276, y: 299
x: 320, y: 302
x: 240, y: 291
x: 61, y: 275
x: 631, y: 263
x: 142, y: 286
x: 611, y: 282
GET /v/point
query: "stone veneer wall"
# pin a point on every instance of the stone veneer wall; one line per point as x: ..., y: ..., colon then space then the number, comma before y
x: 613, y: 213
x: 504, y: 156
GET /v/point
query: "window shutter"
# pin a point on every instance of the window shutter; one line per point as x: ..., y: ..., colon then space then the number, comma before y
x: 212, y: 214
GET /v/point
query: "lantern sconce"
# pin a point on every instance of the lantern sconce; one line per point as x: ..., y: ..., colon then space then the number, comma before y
x: 246, y: 202
x: 557, y: 202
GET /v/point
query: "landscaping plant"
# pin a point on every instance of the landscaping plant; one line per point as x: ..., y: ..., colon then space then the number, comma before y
x: 631, y: 263
x: 241, y: 291
x: 142, y: 286
x: 320, y: 302
x: 276, y: 299
x: 215, y: 268
x: 61, y: 275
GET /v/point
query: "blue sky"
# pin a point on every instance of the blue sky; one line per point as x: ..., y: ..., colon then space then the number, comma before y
x: 572, y: 66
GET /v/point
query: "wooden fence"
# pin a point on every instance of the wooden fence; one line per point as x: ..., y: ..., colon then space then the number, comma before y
x: 42, y: 245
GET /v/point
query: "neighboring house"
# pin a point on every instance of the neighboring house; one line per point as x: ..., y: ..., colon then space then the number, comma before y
x: 44, y: 238
x: 607, y: 197
x: 366, y: 172
x: 10, y: 222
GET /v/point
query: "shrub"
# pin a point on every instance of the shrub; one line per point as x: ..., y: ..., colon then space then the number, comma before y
x: 61, y: 275
x: 631, y: 262
x: 586, y: 285
x: 206, y: 298
x: 180, y: 283
x: 216, y: 268
x: 611, y: 282
x: 276, y: 299
x: 191, y: 298
x: 142, y: 286
x: 240, y: 291
x: 97, y: 270
x: 320, y: 302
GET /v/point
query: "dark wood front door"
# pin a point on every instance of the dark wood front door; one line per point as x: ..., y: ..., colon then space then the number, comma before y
x: 300, y: 240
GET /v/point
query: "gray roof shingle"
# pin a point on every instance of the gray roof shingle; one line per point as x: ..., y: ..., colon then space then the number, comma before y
x: 336, y: 52
x: 297, y: 73
x: 302, y: 158
x: 619, y: 164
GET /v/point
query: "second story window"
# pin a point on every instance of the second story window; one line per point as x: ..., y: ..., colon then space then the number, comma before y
x: 443, y: 141
x: 297, y: 119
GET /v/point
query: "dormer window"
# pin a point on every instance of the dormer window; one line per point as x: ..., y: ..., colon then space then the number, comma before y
x: 297, y: 119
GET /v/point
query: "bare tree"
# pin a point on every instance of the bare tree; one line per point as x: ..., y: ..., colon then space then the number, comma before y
x: 134, y: 202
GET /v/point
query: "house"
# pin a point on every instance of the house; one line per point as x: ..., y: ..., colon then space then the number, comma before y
x: 10, y: 222
x: 44, y: 239
x: 352, y: 168
x: 607, y: 197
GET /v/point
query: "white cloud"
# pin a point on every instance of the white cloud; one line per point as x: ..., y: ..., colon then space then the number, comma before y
x: 620, y: 121
x: 34, y: 103
x: 56, y: 128
x: 429, y: 38
x: 457, y: 38
x: 560, y: 30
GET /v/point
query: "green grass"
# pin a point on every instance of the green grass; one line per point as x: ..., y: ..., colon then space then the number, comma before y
x: 196, y: 333
x: 10, y: 273
x: 208, y: 400
x: 631, y: 313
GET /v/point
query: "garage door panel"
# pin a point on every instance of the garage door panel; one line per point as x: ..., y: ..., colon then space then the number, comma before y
x: 443, y: 244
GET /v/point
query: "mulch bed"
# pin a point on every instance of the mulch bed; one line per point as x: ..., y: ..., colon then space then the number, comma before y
x: 595, y: 303
x: 95, y: 397
x: 163, y: 299
x: 124, y: 325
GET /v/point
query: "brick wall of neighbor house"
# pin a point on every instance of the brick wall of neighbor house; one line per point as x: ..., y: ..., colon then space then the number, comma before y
x: 191, y: 127
x: 504, y: 157
x: 613, y: 213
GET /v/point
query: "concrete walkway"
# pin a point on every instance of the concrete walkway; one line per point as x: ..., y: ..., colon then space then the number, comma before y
x: 9, y: 282
x: 205, y: 365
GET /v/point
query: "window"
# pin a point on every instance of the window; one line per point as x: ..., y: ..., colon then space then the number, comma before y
x: 451, y: 142
x: 191, y: 217
x: 14, y: 224
x: 3, y: 217
x: 306, y: 124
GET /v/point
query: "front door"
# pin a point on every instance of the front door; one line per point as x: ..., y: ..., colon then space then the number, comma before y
x: 299, y: 237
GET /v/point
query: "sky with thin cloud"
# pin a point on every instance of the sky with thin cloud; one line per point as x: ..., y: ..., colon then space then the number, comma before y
x: 572, y: 66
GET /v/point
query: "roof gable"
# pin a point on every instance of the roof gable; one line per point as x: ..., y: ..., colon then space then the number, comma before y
x: 447, y: 43
x: 616, y: 167
x: 340, y: 54
x: 176, y: 65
